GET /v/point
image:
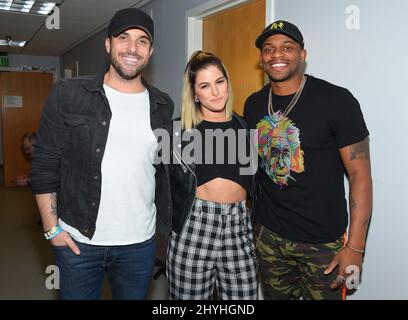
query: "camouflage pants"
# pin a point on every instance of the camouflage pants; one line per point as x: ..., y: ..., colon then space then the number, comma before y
x: 294, y: 270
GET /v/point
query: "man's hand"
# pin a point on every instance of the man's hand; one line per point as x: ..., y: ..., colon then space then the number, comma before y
x: 356, y: 160
x: 47, y: 203
x: 346, y: 257
x: 64, y: 240
x: 22, y: 181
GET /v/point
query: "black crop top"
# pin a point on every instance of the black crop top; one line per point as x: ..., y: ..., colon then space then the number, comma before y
x: 222, y: 160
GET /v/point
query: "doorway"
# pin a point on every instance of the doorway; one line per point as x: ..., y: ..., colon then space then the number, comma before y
x: 229, y: 29
x: 22, y: 95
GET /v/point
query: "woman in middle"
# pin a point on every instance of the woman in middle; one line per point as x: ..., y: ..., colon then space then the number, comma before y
x: 211, y: 251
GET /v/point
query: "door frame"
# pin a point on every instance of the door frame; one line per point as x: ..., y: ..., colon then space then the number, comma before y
x: 19, y: 69
x: 195, y: 16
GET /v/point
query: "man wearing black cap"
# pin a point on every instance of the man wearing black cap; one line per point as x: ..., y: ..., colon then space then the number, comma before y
x: 310, y: 134
x: 94, y: 173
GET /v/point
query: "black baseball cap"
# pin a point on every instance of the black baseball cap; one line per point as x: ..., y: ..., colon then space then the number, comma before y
x: 131, y: 18
x: 280, y: 27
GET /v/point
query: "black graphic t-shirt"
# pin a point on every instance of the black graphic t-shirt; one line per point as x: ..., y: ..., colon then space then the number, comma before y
x: 301, y: 174
x: 219, y: 156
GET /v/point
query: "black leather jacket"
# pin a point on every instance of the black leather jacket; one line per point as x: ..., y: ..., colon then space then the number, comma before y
x: 70, y: 146
x: 183, y: 181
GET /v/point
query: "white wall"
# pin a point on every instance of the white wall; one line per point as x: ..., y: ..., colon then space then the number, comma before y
x: 47, y: 62
x: 371, y: 62
x: 91, y: 56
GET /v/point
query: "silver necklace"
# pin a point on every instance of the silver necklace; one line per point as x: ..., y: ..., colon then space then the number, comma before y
x: 292, y: 103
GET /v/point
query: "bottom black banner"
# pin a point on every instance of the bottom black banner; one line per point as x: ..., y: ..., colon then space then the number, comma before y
x: 151, y: 309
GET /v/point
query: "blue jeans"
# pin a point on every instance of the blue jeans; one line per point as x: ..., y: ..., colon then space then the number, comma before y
x: 129, y: 269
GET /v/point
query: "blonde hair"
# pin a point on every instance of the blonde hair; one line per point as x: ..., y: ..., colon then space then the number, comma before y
x: 190, y: 110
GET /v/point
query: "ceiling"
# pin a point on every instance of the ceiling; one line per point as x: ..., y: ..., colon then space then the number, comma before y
x: 79, y: 20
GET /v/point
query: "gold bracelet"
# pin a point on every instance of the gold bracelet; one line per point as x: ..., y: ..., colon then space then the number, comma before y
x: 354, y: 249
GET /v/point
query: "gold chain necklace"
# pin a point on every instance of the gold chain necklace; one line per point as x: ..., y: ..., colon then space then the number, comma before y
x: 292, y: 103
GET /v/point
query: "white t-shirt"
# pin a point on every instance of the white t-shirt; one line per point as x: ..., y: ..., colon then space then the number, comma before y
x: 127, y: 213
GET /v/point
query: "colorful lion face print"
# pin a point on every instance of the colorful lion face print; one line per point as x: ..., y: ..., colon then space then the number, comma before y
x: 279, y: 148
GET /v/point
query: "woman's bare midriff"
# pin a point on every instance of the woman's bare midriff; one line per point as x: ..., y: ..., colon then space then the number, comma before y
x: 222, y: 191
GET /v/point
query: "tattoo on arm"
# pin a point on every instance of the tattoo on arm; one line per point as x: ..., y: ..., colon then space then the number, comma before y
x: 360, y: 150
x: 353, y: 204
x: 53, y: 197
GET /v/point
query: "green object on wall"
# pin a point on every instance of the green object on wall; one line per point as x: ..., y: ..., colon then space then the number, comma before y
x: 4, y: 62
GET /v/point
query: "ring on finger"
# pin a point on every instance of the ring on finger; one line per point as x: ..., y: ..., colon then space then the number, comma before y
x: 341, y: 279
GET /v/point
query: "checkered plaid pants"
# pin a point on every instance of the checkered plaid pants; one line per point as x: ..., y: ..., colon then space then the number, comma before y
x: 215, y: 250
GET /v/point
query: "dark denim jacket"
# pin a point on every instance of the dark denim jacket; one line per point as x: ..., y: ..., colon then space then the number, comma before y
x: 70, y: 146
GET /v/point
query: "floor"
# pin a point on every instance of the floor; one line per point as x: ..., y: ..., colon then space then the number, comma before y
x: 25, y: 254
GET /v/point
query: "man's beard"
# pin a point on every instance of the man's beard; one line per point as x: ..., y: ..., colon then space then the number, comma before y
x: 122, y: 73
x: 282, y: 77
x: 274, y: 79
